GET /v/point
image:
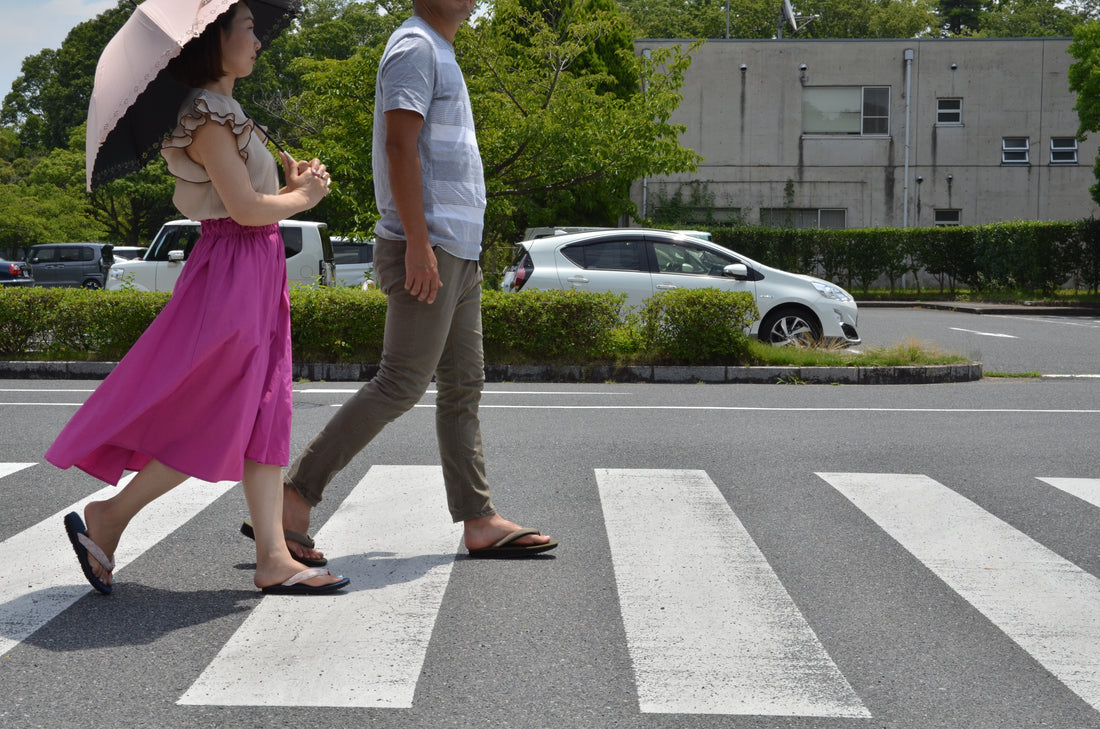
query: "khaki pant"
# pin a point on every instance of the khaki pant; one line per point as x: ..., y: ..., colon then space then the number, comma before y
x: 442, y: 338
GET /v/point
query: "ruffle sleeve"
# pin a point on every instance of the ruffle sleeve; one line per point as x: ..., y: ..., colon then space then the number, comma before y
x: 197, y: 111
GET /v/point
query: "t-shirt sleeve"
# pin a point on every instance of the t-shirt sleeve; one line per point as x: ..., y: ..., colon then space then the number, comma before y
x: 204, y: 108
x: 407, y: 77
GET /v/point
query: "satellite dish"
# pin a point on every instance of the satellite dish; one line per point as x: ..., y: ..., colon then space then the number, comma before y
x: 789, y: 16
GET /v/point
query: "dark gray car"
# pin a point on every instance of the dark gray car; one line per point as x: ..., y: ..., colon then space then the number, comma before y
x: 71, y: 264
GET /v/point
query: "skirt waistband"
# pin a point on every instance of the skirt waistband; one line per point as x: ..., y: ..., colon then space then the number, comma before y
x: 229, y: 225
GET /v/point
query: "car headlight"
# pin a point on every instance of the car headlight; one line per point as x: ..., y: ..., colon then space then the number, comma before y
x: 832, y: 291
x: 115, y: 274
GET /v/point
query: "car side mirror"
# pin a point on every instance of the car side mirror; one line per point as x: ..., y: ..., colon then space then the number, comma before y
x: 175, y: 256
x: 736, y: 270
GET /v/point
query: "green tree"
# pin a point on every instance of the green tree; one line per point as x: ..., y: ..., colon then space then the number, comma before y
x: 701, y: 18
x: 1085, y: 81
x: 867, y: 18
x: 326, y: 30
x: 959, y: 17
x: 51, y: 96
x: 552, y: 139
x: 1028, y: 19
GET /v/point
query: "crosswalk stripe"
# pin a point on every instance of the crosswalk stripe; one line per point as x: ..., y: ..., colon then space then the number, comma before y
x: 1086, y: 489
x: 710, y: 628
x: 7, y: 469
x: 48, y: 578
x: 394, y: 538
x: 1046, y: 604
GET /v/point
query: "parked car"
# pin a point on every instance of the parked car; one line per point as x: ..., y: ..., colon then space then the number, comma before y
x: 71, y: 264
x: 794, y: 309
x: 354, y: 261
x: 14, y: 273
x: 308, y: 256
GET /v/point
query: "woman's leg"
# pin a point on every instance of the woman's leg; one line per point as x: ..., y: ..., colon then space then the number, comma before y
x: 263, y: 489
x: 106, y: 520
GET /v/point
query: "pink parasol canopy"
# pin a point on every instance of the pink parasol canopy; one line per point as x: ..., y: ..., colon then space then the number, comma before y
x: 135, y: 101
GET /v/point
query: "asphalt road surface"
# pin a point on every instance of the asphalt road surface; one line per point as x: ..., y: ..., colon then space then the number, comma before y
x: 736, y: 556
x: 1007, y: 344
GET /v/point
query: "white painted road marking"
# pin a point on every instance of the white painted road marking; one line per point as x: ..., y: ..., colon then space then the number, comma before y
x: 983, y: 334
x: 365, y: 647
x: 46, y: 578
x: 710, y: 628
x: 1046, y: 604
x: 1086, y: 489
x: 7, y: 469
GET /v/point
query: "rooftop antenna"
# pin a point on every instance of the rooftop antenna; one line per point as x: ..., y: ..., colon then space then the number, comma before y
x: 797, y: 22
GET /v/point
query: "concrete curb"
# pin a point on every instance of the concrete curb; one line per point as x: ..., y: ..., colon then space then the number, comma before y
x: 908, y: 375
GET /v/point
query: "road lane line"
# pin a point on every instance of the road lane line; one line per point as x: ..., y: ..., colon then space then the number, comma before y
x: 1086, y: 489
x: 984, y: 334
x: 709, y: 626
x: 365, y: 647
x: 41, y: 576
x: 1046, y: 604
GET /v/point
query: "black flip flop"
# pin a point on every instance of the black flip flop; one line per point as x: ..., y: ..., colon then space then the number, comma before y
x: 74, y: 527
x: 506, y: 548
x: 294, y: 586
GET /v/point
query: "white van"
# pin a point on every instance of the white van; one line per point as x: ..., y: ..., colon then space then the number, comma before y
x: 309, y: 257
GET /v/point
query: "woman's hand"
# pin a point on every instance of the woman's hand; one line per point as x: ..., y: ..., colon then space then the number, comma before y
x: 311, y: 178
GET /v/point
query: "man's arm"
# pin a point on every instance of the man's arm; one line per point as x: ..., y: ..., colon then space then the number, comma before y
x: 403, y: 162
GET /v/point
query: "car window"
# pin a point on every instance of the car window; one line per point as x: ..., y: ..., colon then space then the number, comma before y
x: 685, y: 258
x: 352, y: 252
x: 612, y: 255
x: 44, y: 255
x: 292, y: 240
x: 174, y: 238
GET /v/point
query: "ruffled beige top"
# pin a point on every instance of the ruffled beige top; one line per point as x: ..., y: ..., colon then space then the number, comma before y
x: 195, y: 195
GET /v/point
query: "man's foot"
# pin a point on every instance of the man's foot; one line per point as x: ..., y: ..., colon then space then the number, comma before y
x: 296, y: 511
x: 486, y: 531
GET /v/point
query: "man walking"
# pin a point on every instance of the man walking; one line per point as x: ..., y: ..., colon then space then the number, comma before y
x: 430, y: 190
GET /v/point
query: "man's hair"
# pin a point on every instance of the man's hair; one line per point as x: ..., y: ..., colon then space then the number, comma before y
x: 200, y: 61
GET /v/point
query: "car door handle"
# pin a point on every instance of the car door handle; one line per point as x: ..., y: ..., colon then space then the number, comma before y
x: 577, y: 279
x: 667, y: 287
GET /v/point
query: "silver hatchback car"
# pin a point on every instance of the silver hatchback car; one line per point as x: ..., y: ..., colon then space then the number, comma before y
x: 794, y: 309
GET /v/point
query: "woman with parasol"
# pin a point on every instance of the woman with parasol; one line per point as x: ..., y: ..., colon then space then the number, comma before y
x: 206, y: 391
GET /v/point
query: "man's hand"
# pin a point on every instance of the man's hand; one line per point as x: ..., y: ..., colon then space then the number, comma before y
x: 421, y: 272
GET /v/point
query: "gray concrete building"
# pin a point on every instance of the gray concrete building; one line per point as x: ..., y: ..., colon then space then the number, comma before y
x: 870, y: 133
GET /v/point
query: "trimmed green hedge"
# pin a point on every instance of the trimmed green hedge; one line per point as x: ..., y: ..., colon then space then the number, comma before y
x: 1036, y: 257
x: 344, y: 324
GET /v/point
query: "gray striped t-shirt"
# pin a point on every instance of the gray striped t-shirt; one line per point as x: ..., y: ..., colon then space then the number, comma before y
x: 418, y: 72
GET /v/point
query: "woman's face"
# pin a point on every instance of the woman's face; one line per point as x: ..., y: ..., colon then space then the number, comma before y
x: 239, y: 43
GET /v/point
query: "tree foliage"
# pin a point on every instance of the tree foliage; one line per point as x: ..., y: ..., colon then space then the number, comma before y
x: 1084, y: 79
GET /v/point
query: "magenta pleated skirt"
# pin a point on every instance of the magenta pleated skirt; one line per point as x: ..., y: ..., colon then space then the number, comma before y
x: 208, y: 385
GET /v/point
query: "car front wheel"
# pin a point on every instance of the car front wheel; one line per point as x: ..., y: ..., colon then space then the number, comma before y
x: 790, y: 327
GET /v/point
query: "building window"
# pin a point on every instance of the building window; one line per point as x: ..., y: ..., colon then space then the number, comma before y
x: 856, y: 110
x: 1063, y: 150
x: 806, y: 218
x: 1016, y: 151
x: 949, y: 112
x: 946, y: 217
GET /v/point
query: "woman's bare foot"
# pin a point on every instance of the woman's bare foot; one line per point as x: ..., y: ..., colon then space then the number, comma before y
x: 485, y: 531
x: 296, y: 511
x: 104, y: 534
x: 277, y: 571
